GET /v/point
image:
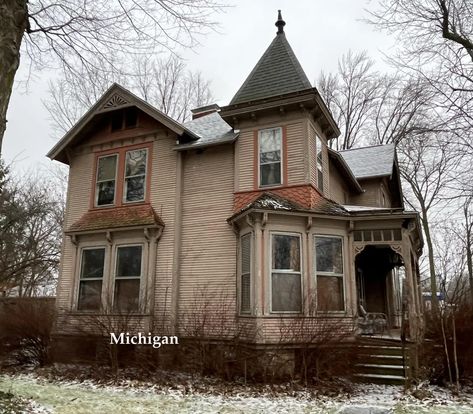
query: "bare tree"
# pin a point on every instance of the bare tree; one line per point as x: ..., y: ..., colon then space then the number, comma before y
x: 70, y: 34
x: 426, y: 164
x: 435, y: 39
x: 31, y: 217
x: 164, y: 83
x: 350, y: 95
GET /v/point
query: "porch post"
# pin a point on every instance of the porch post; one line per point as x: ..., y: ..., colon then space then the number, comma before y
x: 351, y: 277
x: 411, y: 291
x: 258, y: 281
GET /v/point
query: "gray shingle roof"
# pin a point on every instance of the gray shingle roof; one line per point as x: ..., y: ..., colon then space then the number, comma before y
x: 277, y: 72
x: 376, y: 161
x: 211, y: 129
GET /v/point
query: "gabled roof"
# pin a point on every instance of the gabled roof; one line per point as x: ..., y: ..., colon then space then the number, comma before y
x: 115, y: 97
x: 278, y: 72
x: 211, y: 129
x: 370, y: 162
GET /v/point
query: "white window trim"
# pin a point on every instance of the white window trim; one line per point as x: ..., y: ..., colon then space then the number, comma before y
x: 271, y: 270
x: 124, y: 200
x: 249, y: 311
x: 79, y: 274
x: 280, y: 162
x: 342, y: 275
x: 117, y: 156
x: 114, y: 276
x: 318, y: 142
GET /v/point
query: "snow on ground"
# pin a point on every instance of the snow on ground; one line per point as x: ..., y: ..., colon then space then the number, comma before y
x: 70, y: 397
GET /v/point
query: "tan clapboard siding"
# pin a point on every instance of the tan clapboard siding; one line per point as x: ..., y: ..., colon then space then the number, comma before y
x: 81, y: 173
x: 287, y: 329
x: 208, y: 256
x: 296, y: 154
x: 66, y: 277
x: 245, y: 149
x: 338, y: 189
x: 370, y: 196
x: 313, y: 132
x: 163, y: 196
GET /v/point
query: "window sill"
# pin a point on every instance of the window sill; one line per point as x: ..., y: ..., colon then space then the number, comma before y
x: 89, y: 313
x: 123, y: 205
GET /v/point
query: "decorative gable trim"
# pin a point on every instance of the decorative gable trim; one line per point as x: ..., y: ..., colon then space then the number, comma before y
x: 115, y: 101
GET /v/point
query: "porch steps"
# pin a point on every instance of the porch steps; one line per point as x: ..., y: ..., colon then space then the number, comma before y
x: 382, y: 361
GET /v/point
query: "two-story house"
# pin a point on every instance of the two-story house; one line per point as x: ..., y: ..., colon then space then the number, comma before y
x: 246, y: 201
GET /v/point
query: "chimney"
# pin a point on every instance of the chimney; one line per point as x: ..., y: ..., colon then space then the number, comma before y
x: 204, y: 110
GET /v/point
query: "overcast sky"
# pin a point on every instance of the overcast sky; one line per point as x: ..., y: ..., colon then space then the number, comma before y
x: 318, y: 31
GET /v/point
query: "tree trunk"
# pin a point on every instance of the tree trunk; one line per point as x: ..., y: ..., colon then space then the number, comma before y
x: 13, y: 23
x: 433, y: 276
x: 468, y: 249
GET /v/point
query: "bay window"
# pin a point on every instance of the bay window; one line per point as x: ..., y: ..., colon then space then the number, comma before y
x: 286, y: 280
x: 245, y: 284
x: 329, y: 273
x: 91, y: 278
x: 128, y: 271
x: 270, y: 157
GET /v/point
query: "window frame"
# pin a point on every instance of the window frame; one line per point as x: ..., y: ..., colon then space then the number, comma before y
x: 271, y: 271
x: 96, y: 190
x: 145, y: 181
x: 281, y: 162
x: 79, y: 277
x: 319, y: 162
x: 113, y: 277
x: 250, y: 273
x: 330, y: 274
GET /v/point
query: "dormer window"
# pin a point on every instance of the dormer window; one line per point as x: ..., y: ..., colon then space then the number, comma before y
x: 270, y: 157
x: 106, y: 180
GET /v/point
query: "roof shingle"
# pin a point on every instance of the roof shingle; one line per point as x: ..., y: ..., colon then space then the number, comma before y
x: 367, y: 162
x: 129, y: 216
x: 277, y: 72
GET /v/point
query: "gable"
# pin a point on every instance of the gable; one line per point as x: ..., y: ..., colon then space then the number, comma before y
x: 115, y: 98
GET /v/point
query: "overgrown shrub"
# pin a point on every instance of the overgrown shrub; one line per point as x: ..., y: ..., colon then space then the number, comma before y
x: 25, y: 330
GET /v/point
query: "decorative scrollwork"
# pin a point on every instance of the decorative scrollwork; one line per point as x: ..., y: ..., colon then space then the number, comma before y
x: 358, y: 248
x: 114, y: 102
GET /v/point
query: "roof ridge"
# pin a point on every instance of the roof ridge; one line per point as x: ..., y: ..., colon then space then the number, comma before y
x: 390, y: 144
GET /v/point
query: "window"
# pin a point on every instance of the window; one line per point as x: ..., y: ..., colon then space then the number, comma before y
x: 320, y: 164
x: 135, y: 175
x: 91, y: 277
x: 106, y: 180
x: 286, y: 294
x: 124, y: 118
x: 270, y: 157
x: 329, y: 273
x: 245, y: 287
x: 127, y: 278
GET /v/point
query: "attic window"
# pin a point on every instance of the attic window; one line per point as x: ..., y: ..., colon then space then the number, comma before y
x: 124, y: 118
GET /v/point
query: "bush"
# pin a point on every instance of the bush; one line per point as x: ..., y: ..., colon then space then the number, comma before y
x: 25, y: 330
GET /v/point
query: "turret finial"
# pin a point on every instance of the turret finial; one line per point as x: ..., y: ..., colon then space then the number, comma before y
x: 280, y: 23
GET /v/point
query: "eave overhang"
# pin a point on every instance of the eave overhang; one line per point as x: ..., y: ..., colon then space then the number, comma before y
x: 307, y: 100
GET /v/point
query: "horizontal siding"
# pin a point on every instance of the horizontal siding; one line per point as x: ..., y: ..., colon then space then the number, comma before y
x: 296, y: 154
x: 245, y: 148
x: 208, y: 255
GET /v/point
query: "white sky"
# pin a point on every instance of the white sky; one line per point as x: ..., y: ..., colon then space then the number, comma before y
x: 319, y: 31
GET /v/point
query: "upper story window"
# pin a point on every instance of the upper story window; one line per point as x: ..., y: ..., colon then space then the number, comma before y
x: 106, y: 180
x: 320, y: 164
x: 270, y: 157
x: 286, y: 276
x: 130, y: 184
x: 135, y: 175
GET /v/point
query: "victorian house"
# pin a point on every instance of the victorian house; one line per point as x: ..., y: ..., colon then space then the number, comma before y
x: 247, y: 199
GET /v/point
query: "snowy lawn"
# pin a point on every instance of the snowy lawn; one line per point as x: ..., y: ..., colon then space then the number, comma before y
x: 39, y: 395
